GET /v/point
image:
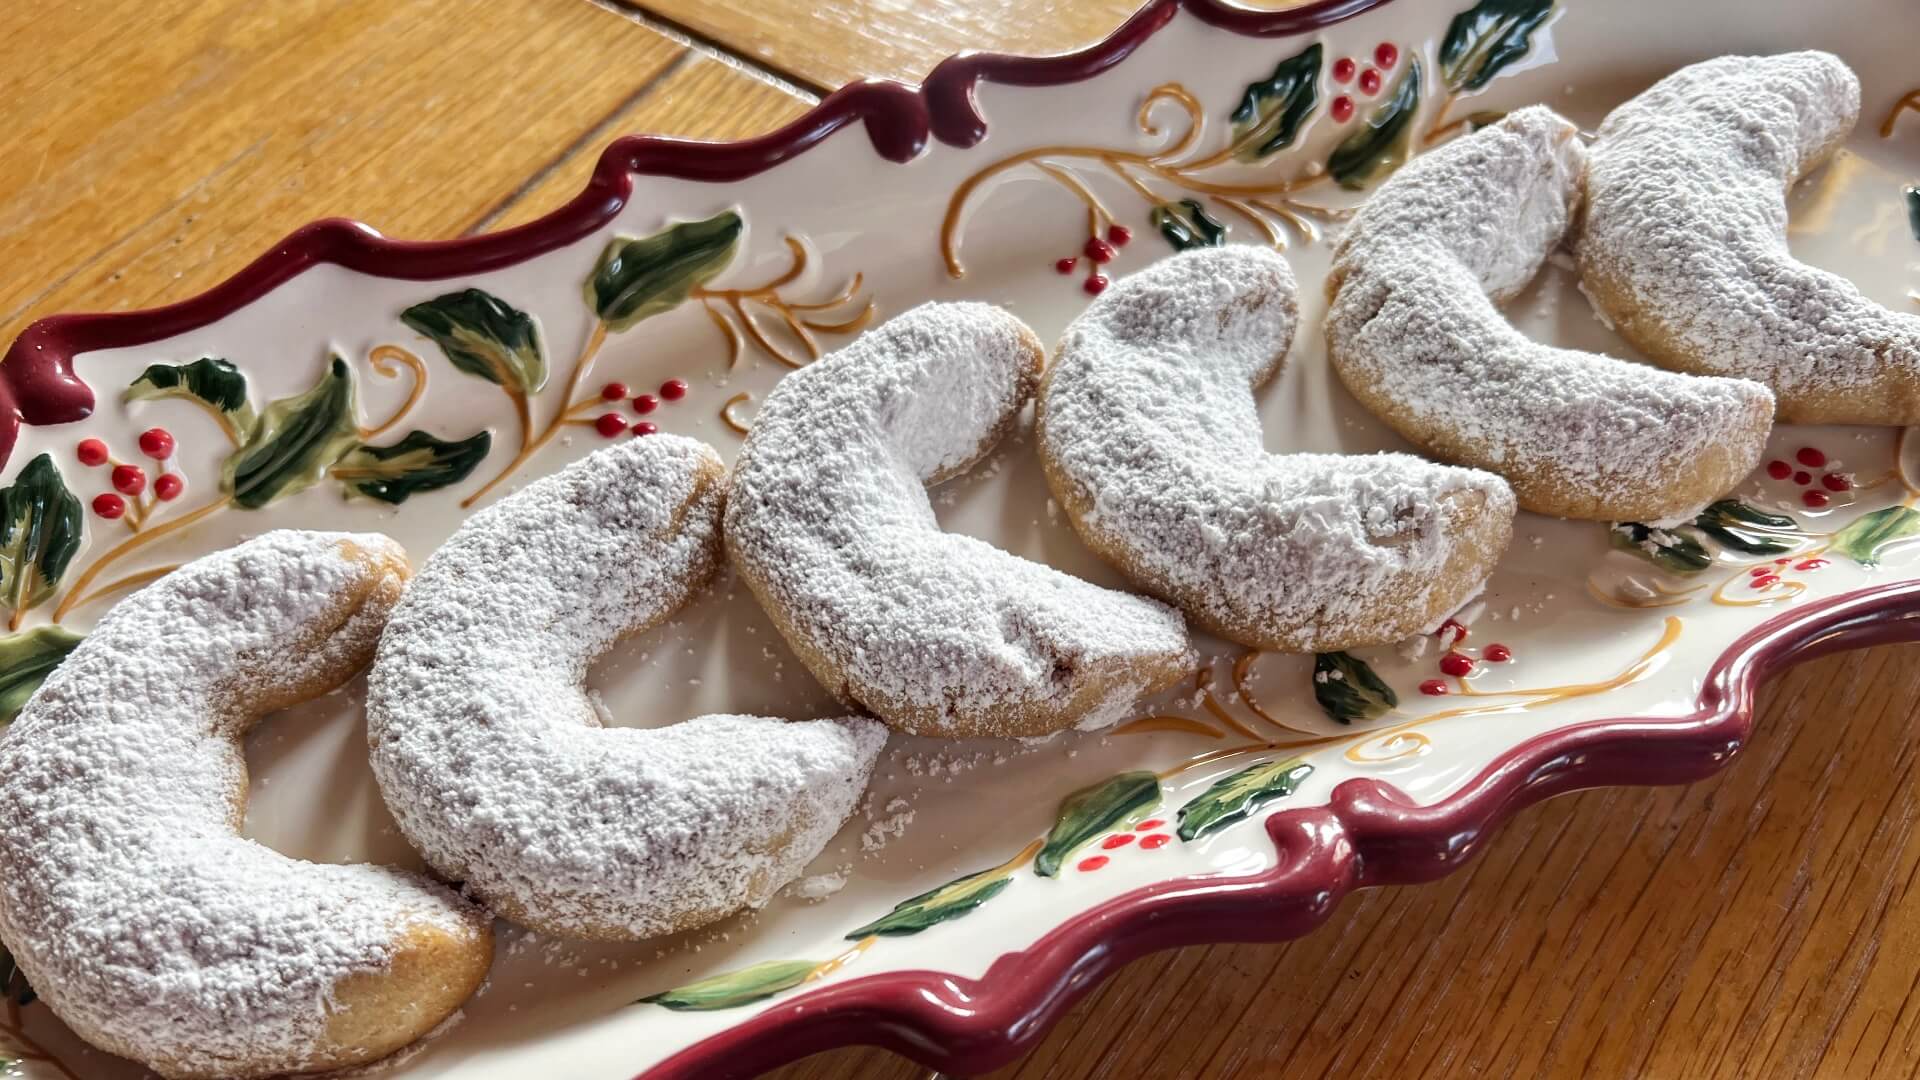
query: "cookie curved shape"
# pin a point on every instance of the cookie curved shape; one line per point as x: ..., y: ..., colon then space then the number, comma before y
x: 1151, y: 442
x: 1683, y: 243
x: 127, y: 894
x: 935, y: 633
x: 1414, y: 333
x: 494, y: 760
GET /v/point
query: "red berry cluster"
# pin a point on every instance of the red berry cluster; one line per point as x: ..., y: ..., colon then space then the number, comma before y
x: 611, y: 424
x: 130, y: 481
x: 1151, y: 840
x: 1385, y: 55
x: 1813, y: 458
x: 1766, y: 577
x: 1458, y: 663
x: 1098, y: 252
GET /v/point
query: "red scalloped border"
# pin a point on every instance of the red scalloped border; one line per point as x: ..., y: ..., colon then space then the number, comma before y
x: 38, y: 385
x: 1369, y: 833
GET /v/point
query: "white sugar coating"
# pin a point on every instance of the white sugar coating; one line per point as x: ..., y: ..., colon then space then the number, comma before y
x: 1684, y: 240
x: 138, y: 912
x: 495, y: 762
x: 1413, y: 330
x: 1152, y: 440
x: 828, y: 520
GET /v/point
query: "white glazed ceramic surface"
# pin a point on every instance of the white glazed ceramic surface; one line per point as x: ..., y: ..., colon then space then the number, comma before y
x: 938, y: 810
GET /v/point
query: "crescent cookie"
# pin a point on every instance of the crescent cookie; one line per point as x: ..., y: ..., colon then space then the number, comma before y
x: 937, y: 634
x: 127, y: 894
x: 495, y: 762
x: 1683, y: 244
x: 1152, y: 443
x: 1414, y: 333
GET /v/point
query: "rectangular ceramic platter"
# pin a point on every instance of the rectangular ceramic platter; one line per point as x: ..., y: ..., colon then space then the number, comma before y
x: 938, y: 810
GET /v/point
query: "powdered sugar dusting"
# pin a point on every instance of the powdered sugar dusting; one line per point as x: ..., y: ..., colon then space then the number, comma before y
x: 492, y: 757
x: 1151, y: 438
x: 1414, y: 332
x: 828, y: 520
x: 137, y: 911
x: 1685, y: 239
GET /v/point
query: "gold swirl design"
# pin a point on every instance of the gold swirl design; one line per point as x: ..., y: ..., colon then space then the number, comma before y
x: 387, y: 362
x: 1908, y: 101
x: 729, y: 417
x: 1268, y: 205
x: 1392, y: 747
x: 728, y: 307
x: 1398, y: 741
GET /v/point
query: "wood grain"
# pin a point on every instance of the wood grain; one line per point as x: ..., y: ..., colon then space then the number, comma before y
x: 823, y: 45
x: 159, y: 145
x: 699, y: 98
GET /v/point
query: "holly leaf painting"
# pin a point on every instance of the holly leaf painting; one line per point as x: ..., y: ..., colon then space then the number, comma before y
x: 26, y: 659
x: 1486, y: 38
x: 1868, y: 535
x: 949, y: 901
x: 484, y: 335
x: 1185, y: 225
x: 1271, y: 111
x: 211, y: 382
x: 1237, y: 796
x: 295, y: 442
x: 420, y: 462
x: 1118, y: 801
x: 1669, y: 549
x: 40, y: 528
x: 1348, y: 690
x: 1747, y: 529
x: 1379, y: 144
x: 743, y: 987
x: 638, y: 278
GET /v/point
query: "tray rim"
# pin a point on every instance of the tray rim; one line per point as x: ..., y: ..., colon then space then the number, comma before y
x: 1368, y: 833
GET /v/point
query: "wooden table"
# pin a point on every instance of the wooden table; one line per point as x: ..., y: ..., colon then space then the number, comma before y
x: 1761, y: 924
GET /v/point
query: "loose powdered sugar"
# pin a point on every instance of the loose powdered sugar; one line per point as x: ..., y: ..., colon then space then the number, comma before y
x: 1414, y: 332
x: 495, y: 764
x: 136, y: 910
x: 1685, y: 239
x: 828, y: 520
x: 1149, y: 431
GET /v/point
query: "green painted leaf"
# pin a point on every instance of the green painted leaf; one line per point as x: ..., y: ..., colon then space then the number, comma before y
x: 1235, y: 797
x: 13, y: 981
x: 1669, y: 549
x: 1913, y: 210
x: 1747, y: 529
x: 1085, y: 814
x: 40, y: 528
x: 1379, y: 145
x: 1348, y: 690
x: 949, y: 901
x: 635, y: 279
x: 26, y: 659
x: 484, y: 335
x: 1185, y: 225
x: 212, y: 382
x: 741, y: 987
x: 416, y: 463
x: 1487, y: 37
x: 295, y: 442
x: 1869, y: 534
x: 1271, y: 111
